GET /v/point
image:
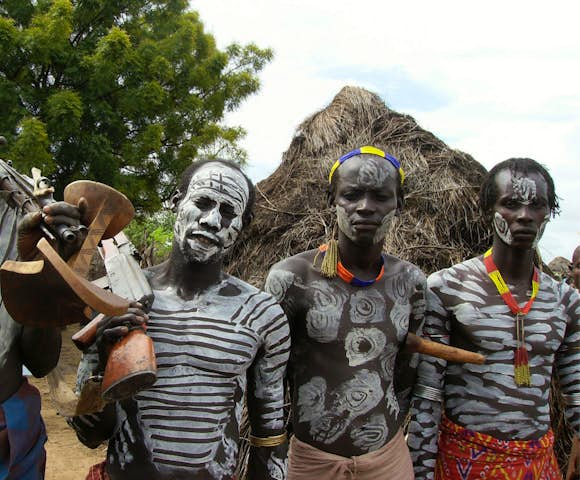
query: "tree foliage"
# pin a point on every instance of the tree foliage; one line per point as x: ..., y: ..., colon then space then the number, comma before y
x: 125, y: 92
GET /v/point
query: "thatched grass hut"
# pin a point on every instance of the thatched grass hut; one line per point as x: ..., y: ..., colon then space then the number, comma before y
x: 440, y: 224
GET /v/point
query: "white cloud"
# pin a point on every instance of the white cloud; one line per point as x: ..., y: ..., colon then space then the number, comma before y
x: 506, y: 76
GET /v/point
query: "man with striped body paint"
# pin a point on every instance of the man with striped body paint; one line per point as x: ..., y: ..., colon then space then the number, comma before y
x: 215, y: 338
x: 348, y: 403
x: 492, y: 420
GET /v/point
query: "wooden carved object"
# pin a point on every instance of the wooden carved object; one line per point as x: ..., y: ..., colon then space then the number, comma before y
x: 62, y: 286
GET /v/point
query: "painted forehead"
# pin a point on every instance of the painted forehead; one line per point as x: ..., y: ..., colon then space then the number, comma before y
x: 368, y: 171
x: 524, y: 188
x: 220, y: 180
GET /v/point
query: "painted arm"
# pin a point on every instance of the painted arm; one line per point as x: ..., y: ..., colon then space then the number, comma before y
x: 266, y: 398
x: 568, y: 359
x: 426, y: 403
x: 95, y: 428
x: 406, y: 365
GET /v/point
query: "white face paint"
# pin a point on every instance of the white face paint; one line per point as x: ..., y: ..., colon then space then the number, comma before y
x: 386, y: 225
x: 524, y: 190
x: 541, y: 231
x: 209, y: 217
x: 344, y: 224
x: 346, y: 227
x: 502, y: 228
x: 372, y: 173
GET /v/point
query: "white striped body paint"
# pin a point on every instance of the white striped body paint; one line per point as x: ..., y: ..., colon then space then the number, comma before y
x: 187, y: 424
x: 464, y: 309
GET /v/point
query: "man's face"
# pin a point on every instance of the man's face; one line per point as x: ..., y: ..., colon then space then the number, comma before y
x: 209, y: 216
x: 576, y: 268
x: 366, y: 198
x: 521, y: 210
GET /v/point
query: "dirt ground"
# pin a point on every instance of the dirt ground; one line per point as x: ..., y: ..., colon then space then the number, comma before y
x: 67, y: 458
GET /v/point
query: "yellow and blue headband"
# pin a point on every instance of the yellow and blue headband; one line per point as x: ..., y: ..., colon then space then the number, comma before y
x: 369, y: 150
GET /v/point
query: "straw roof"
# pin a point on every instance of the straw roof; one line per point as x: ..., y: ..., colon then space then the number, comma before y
x: 440, y: 224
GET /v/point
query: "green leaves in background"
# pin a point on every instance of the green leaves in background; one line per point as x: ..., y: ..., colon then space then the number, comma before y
x: 123, y: 92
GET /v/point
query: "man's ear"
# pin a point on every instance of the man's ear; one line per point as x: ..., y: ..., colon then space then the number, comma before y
x: 175, y: 199
x: 400, y: 205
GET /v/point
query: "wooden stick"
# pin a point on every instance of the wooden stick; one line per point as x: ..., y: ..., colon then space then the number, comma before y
x: 416, y: 344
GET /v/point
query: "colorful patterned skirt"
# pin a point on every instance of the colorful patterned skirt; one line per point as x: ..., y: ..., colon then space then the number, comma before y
x: 465, y: 455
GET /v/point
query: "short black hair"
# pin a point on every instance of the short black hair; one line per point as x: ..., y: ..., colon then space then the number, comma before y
x: 331, y: 188
x: 185, y: 180
x: 488, y: 191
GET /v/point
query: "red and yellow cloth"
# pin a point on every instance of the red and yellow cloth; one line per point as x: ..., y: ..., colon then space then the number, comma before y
x: 465, y: 455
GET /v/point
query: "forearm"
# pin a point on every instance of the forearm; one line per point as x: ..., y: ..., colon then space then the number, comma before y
x: 423, y: 432
x: 268, y: 462
x: 40, y: 349
x: 95, y: 428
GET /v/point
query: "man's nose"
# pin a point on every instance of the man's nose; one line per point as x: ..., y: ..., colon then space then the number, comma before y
x: 524, y: 213
x: 212, y: 219
x: 365, y: 204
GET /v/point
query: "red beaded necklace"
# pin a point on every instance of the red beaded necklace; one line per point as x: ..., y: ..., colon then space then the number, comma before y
x: 521, y: 362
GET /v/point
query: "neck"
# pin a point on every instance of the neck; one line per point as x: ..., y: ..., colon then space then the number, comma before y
x: 363, y: 261
x: 514, y: 264
x: 188, y: 278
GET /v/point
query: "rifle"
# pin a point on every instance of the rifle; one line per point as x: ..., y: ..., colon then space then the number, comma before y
x: 131, y: 362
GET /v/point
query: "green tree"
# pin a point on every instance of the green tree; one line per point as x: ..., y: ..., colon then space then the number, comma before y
x: 126, y: 92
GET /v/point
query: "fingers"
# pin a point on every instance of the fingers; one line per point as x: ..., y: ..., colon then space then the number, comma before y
x: 116, y: 327
x: 29, y: 222
x: 61, y: 212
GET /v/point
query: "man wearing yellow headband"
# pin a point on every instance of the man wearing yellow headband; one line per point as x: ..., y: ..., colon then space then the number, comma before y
x: 350, y: 307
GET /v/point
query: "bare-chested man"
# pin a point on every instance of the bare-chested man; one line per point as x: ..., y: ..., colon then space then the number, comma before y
x: 347, y: 408
x: 496, y: 420
x: 215, y: 339
x: 22, y: 432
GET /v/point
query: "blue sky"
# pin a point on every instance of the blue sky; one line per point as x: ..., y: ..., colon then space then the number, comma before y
x: 496, y: 79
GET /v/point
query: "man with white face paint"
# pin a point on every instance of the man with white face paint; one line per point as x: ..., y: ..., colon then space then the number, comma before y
x: 493, y: 420
x: 216, y: 338
x: 349, y: 313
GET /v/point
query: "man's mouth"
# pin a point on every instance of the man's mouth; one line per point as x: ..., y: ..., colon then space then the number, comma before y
x: 204, y: 238
x: 361, y: 225
x: 524, y: 233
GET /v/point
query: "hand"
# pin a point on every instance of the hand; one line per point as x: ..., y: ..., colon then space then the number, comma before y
x: 56, y: 216
x: 113, y: 329
x: 574, y: 460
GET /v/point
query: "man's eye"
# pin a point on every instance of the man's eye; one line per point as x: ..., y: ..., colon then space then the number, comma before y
x: 228, y: 212
x: 351, y: 195
x: 203, y: 203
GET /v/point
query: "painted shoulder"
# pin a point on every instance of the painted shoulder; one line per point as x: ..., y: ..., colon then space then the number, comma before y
x: 470, y: 268
x: 300, y: 264
x: 393, y: 263
x: 245, y: 289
